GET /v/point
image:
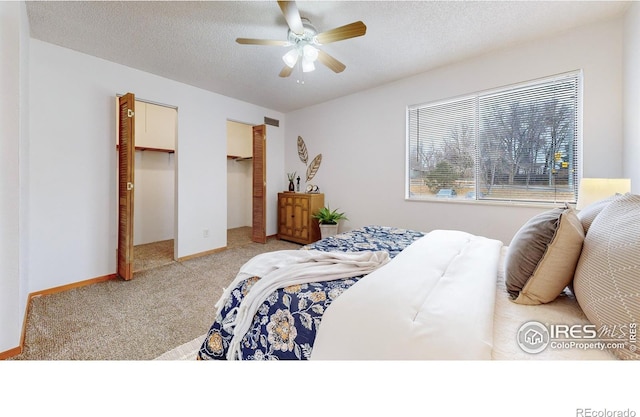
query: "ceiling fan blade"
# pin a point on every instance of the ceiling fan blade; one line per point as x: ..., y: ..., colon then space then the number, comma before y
x: 332, y: 63
x: 352, y: 30
x: 286, y: 71
x: 292, y: 16
x: 248, y: 41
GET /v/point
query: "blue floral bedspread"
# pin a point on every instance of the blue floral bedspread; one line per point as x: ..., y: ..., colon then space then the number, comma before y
x: 286, y: 323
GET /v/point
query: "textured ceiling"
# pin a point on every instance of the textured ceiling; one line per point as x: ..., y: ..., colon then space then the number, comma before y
x: 194, y: 42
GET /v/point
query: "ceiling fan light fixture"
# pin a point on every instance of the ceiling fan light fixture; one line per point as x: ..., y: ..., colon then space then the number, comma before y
x: 307, y: 65
x: 310, y: 53
x: 304, y: 39
x: 291, y: 57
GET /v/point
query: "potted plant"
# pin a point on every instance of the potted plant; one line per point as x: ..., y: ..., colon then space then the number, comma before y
x: 328, y: 221
x: 291, y: 176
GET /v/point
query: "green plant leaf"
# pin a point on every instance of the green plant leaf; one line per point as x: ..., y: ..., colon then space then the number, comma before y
x: 327, y: 216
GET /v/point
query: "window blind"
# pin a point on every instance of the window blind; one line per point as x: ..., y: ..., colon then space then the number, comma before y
x: 518, y: 143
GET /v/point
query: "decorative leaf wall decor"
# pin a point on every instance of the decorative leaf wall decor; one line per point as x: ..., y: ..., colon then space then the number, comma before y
x: 302, y: 151
x: 313, y: 167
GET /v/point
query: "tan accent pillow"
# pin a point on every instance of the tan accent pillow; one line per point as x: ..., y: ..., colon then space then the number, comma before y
x: 607, y: 279
x: 543, y: 255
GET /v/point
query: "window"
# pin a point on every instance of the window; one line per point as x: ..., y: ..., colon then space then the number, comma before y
x: 517, y: 144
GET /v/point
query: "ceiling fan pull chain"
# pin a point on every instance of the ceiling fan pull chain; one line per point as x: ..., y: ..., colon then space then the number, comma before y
x: 300, y: 74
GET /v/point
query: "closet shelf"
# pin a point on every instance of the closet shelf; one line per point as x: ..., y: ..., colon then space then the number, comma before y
x: 240, y: 158
x: 146, y: 148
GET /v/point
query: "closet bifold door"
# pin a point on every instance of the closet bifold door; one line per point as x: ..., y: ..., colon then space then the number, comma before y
x: 258, y: 230
x: 126, y: 155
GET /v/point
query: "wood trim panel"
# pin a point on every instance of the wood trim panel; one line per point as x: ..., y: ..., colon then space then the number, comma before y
x: 259, y: 186
x: 11, y: 353
x: 126, y: 181
x: 73, y: 285
x: 200, y: 254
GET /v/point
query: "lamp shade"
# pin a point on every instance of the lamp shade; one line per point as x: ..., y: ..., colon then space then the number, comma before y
x: 596, y: 189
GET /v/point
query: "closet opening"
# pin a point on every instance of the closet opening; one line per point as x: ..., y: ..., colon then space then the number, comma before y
x: 152, y: 231
x: 239, y: 183
x: 155, y: 179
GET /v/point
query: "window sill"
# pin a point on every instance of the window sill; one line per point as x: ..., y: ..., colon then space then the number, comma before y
x: 501, y: 203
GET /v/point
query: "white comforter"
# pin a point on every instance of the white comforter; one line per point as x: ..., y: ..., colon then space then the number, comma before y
x: 435, y: 300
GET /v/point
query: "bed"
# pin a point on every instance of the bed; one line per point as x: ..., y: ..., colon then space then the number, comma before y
x: 302, y: 304
x: 388, y: 293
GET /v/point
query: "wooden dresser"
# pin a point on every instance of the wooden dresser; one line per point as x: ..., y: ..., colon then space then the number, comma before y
x: 294, y: 217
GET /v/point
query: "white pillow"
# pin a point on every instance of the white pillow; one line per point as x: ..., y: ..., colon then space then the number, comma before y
x: 588, y: 214
x: 607, y: 279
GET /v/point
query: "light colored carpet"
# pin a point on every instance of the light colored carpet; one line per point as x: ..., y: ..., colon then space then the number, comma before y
x: 236, y: 237
x: 239, y: 236
x: 152, y: 255
x: 141, y: 319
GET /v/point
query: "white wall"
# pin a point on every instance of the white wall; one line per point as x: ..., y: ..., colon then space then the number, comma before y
x: 239, y: 175
x: 631, y: 161
x: 14, y: 49
x: 239, y: 180
x: 154, y: 198
x: 73, y: 160
x: 362, y: 136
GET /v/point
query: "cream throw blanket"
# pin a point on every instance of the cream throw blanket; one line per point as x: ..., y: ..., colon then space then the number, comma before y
x: 289, y: 267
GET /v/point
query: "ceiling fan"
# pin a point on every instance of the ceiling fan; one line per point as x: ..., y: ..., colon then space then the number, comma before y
x: 304, y: 39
